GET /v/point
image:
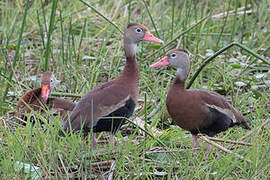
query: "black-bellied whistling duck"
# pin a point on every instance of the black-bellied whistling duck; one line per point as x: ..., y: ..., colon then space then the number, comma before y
x: 116, y: 98
x: 38, y: 99
x: 197, y: 111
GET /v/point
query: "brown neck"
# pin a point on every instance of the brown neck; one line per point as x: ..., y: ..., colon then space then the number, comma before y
x: 38, y: 97
x: 131, y: 70
x: 181, y: 76
x: 179, y: 83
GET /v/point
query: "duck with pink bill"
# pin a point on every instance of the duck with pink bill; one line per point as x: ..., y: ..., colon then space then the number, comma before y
x: 38, y: 99
x: 105, y: 107
x: 197, y: 111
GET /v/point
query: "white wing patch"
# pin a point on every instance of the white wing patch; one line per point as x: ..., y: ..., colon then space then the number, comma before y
x: 228, y: 112
x: 106, y: 110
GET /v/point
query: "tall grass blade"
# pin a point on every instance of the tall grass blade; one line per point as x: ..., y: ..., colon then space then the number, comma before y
x: 152, y: 20
x: 243, y: 21
x: 51, y: 28
x: 81, y: 39
x: 40, y: 29
x: 103, y: 16
x: 224, y: 24
x: 62, y: 39
x: 12, y: 30
x: 172, y: 17
x: 234, y: 25
x: 16, y: 57
x: 129, y: 10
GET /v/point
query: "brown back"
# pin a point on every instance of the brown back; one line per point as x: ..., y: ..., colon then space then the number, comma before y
x: 31, y: 100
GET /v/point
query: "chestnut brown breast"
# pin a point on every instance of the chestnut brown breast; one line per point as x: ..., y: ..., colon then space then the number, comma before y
x: 200, y: 111
x: 31, y: 101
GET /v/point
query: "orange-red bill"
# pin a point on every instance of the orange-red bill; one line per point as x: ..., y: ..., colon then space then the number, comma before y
x: 45, y: 91
x: 162, y: 62
x: 151, y: 38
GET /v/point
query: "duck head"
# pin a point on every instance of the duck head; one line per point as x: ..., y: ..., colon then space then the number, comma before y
x: 177, y: 58
x: 134, y: 34
x: 48, y: 82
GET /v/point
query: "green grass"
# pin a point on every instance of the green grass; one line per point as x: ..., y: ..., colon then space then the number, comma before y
x: 85, y: 48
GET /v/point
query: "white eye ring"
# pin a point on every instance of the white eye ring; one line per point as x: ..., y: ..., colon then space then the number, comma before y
x: 139, y: 30
x: 173, y: 55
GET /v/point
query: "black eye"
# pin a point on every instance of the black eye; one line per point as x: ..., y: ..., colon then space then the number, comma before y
x: 138, y: 30
x: 51, y: 80
x: 173, y: 55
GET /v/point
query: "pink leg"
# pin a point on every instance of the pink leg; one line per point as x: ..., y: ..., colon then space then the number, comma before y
x: 94, y: 141
x: 194, y: 143
x: 195, y: 146
x: 111, y: 139
x: 208, y: 150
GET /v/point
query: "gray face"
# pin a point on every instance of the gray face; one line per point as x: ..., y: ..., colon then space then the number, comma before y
x: 179, y: 59
x: 53, y: 81
x: 134, y: 34
x: 49, y: 78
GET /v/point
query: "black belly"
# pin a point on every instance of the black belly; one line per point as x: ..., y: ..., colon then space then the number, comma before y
x: 113, y: 124
x: 33, y: 119
x: 220, y: 122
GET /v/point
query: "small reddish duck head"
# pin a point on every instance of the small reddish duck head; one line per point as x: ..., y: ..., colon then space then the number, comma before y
x: 178, y: 58
x: 48, y: 82
x: 136, y: 33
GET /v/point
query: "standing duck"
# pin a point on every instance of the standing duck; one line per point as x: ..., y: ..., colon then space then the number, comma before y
x: 38, y: 99
x: 116, y: 98
x: 197, y: 111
